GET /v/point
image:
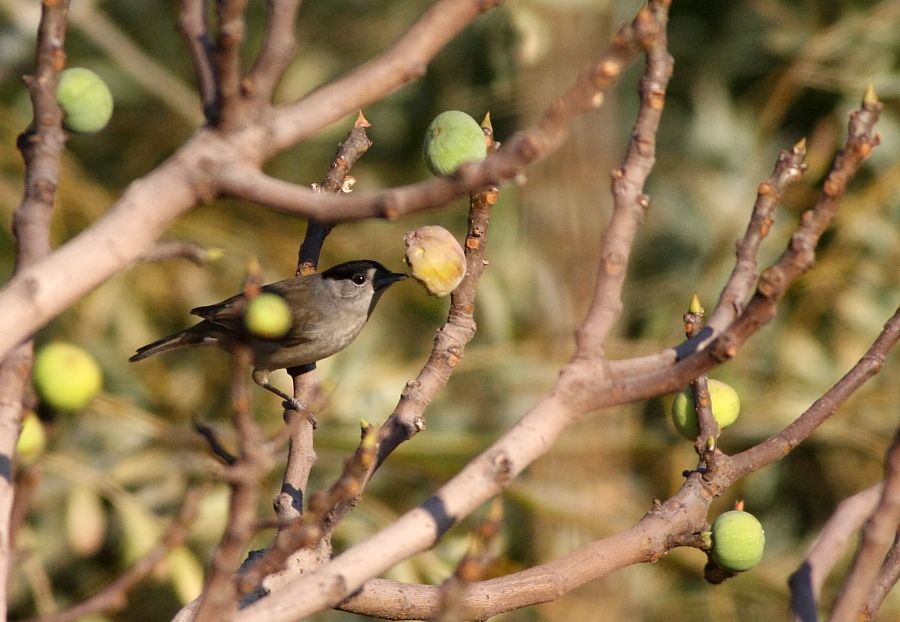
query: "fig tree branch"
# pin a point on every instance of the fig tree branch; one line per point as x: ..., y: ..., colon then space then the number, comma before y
x: 583, y: 386
x: 508, y: 162
x: 199, y: 171
x: 682, y: 514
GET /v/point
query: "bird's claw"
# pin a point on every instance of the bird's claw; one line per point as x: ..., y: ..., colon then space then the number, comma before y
x: 292, y: 403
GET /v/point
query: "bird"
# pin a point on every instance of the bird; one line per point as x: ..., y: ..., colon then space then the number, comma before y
x: 329, y: 310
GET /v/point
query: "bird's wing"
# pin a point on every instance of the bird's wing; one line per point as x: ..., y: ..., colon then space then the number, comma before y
x: 225, y: 313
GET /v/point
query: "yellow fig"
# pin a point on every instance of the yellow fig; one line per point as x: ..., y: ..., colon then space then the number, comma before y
x: 32, y: 438
x: 437, y: 260
x: 67, y: 377
x: 268, y: 316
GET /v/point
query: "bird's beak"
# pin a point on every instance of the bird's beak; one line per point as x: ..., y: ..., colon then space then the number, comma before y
x: 388, y: 278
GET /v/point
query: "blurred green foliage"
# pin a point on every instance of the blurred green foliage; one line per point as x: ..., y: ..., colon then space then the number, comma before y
x: 751, y: 78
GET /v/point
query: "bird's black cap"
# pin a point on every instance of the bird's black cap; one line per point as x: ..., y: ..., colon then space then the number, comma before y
x: 383, y: 277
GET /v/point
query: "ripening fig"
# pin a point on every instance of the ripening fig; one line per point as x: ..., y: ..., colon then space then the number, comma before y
x: 32, y: 438
x: 437, y: 260
x: 452, y: 139
x: 738, y: 541
x: 67, y: 377
x: 85, y: 100
x: 268, y: 316
x: 726, y: 405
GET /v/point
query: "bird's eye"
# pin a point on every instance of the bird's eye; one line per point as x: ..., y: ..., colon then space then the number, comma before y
x: 358, y: 278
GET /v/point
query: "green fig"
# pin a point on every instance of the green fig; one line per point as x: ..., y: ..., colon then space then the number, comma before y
x: 725, y: 402
x: 453, y: 138
x: 738, y: 541
x: 67, y: 377
x: 85, y: 100
x: 268, y: 316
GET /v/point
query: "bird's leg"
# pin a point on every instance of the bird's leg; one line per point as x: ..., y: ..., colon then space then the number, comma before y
x: 261, y: 378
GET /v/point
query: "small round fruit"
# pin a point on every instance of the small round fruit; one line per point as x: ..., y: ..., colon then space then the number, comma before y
x: 726, y: 406
x: 437, y: 260
x: 452, y: 139
x: 85, y: 100
x: 32, y: 438
x: 67, y: 377
x: 738, y: 541
x: 268, y: 316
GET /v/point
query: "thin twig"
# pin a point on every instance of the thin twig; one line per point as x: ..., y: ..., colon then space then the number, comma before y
x: 789, y: 168
x: 278, y: 49
x: 887, y: 579
x: 114, y: 596
x: 193, y: 25
x: 878, y: 536
x: 227, y: 63
x: 806, y: 582
x: 779, y: 445
x: 311, y: 527
x: 629, y: 201
x: 182, y: 249
x: 219, y: 600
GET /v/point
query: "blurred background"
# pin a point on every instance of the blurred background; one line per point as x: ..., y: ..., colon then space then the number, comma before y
x: 751, y: 78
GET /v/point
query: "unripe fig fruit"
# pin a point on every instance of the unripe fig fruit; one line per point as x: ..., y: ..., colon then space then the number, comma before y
x: 437, y: 260
x: 268, y: 316
x: 85, y: 100
x: 66, y: 376
x: 726, y: 406
x: 452, y: 139
x: 738, y: 541
x: 32, y: 438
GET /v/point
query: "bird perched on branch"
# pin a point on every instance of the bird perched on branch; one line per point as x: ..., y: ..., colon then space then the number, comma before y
x: 328, y: 310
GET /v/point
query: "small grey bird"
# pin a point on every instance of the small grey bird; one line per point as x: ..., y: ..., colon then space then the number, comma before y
x: 329, y: 310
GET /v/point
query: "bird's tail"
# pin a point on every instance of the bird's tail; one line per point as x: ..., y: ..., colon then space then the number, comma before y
x: 182, y: 339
